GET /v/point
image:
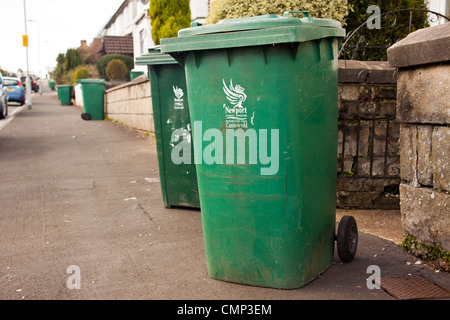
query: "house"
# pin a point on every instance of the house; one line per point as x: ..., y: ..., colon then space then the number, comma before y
x: 118, y: 45
x: 439, y: 6
x: 131, y: 20
x: 92, y: 52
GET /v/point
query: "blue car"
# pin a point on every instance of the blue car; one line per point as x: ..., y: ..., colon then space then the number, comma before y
x: 15, y: 90
x: 3, y: 99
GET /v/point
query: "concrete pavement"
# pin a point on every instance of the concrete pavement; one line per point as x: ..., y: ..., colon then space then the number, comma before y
x: 82, y: 198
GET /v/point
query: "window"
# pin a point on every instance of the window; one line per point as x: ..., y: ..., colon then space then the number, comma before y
x: 11, y: 82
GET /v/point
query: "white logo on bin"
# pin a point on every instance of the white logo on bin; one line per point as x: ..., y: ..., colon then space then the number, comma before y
x: 178, y: 100
x: 238, y: 144
x: 236, y: 115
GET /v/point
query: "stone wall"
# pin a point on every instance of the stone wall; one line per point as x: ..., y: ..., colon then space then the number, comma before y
x: 131, y: 104
x: 423, y: 110
x: 368, y: 152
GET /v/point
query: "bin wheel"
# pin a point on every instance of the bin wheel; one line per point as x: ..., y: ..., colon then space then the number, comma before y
x: 347, y: 238
x: 85, y: 116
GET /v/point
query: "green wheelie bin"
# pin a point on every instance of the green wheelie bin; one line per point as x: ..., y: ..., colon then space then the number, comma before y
x: 135, y: 73
x: 172, y: 130
x: 64, y: 93
x: 93, y: 98
x: 51, y: 84
x: 263, y: 97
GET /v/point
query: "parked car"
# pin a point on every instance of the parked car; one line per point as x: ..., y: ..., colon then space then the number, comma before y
x: 3, y: 99
x: 34, y: 83
x: 15, y: 89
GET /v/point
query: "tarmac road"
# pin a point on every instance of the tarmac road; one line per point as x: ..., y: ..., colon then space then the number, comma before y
x: 82, y: 198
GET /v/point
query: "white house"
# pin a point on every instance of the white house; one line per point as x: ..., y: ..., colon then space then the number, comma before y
x: 131, y: 19
x: 439, y: 6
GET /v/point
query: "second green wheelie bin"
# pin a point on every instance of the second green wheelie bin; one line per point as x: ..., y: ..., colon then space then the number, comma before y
x: 172, y: 130
x: 51, y: 84
x: 263, y: 97
x: 135, y: 73
x: 93, y: 98
x: 64, y: 93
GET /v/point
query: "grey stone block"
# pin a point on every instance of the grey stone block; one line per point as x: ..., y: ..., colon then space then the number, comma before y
x: 408, y: 154
x: 440, y: 157
x: 426, y: 214
x: 423, y: 95
x: 424, y: 166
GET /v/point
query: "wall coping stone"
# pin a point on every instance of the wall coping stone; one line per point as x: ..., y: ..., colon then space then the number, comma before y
x: 366, y: 72
x: 138, y: 80
x: 424, y: 46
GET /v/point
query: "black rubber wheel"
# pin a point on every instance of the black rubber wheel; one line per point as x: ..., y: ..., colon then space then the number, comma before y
x: 3, y: 113
x: 347, y: 238
x: 85, y: 116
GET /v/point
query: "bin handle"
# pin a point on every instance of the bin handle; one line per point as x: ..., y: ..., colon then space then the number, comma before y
x: 305, y: 14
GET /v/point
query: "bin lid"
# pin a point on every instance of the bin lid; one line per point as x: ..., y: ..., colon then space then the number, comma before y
x: 95, y: 81
x: 253, y: 31
x: 154, y: 56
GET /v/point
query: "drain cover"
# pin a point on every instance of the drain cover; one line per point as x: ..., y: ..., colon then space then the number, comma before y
x: 413, y: 288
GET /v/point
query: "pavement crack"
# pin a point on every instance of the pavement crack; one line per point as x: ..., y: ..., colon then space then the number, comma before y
x: 147, y: 214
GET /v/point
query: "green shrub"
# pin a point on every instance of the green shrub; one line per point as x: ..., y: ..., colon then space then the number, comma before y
x: 167, y: 17
x: 116, y: 69
x: 103, y: 62
x: 393, y: 26
x: 58, y: 74
x: 230, y: 9
x: 66, y: 77
x: 80, y: 73
x: 73, y: 59
x: 430, y: 251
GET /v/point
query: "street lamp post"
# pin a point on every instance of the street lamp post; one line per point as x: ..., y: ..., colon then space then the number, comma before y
x: 28, y: 91
x: 39, y: 55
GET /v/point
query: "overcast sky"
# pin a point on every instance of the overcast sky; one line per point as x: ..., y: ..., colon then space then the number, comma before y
x: 61, y: 24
